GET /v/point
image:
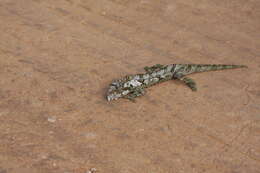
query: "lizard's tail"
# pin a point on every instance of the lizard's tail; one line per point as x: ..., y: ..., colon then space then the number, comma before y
x: 211, y: 67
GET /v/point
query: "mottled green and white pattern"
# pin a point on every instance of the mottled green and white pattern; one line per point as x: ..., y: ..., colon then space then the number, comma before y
x: 132, y: 86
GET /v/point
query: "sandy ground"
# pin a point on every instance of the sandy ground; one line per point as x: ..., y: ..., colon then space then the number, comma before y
x: 58, y: 57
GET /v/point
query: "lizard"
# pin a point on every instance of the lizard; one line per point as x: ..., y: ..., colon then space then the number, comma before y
x: 132, y: 86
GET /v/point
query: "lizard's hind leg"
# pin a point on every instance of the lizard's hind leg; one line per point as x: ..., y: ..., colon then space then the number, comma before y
x: 190, y: 83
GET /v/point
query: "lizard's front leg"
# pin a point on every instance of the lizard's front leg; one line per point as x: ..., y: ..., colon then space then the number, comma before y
x: 138, y: 91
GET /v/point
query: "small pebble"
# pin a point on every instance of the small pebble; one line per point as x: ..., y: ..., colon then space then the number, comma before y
x: 92, y: 170
x: 90, y: 135
x: 51, y: 119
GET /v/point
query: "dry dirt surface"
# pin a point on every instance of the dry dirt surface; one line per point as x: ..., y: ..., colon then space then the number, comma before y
x: 57, y: 58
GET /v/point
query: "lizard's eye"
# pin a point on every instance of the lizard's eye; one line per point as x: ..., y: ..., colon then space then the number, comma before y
x: 115, y: 84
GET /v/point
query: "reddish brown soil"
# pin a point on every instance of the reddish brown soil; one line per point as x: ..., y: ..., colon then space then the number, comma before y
x: 57, y: 58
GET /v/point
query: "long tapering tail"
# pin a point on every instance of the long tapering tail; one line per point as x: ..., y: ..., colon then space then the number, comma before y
x: 194, y: 68
x: 213, y: 67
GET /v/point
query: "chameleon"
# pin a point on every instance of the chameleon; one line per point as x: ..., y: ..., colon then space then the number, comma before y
x: 132, y: 86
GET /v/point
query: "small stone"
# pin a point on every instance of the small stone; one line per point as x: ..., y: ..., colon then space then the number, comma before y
x: 44, y: 156
x: 52, y: 119
x: 92, y: 170
x: 90, y: 135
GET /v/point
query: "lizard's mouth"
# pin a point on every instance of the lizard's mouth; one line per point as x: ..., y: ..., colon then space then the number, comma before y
x: 113, y: 96
x: 115, y: 93
x: 110, y: 97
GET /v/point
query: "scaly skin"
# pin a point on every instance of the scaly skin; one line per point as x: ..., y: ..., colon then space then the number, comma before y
x: 133, y: 86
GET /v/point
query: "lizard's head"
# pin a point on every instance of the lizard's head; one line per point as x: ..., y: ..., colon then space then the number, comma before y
x: 116, y: 90
x: 123, y: 87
